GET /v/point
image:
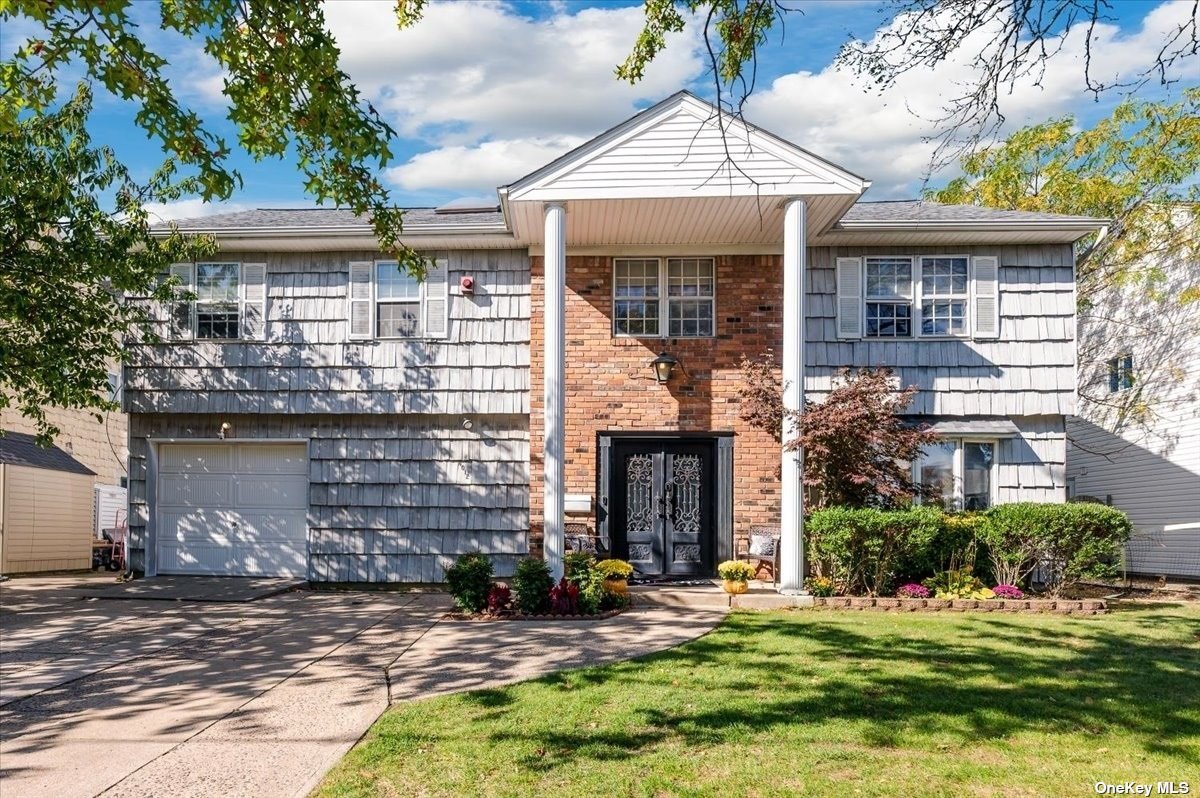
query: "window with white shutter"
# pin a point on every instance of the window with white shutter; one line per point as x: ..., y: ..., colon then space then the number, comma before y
x: 254, y: 301
x: 361, y: 300
x: 987, y: 296
x: 385, y: 301
x: 436, y: 298
x: 849, y: 297
x: 179, y: 314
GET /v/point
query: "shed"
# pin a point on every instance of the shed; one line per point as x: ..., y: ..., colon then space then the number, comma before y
x: 46, y: 507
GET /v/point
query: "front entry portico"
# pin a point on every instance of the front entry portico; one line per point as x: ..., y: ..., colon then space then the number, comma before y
x: 693, y: 198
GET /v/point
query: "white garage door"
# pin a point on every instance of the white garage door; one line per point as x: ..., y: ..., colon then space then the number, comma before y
x: 236, y: 509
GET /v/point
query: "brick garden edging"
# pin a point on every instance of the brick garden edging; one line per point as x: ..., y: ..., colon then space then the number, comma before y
x: 514, y: 616
x: 1056, y: 606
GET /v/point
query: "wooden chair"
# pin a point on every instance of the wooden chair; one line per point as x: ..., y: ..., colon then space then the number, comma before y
x: 761, y: 549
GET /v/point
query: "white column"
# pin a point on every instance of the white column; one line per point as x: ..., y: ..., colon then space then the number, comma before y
x: 791, y: 511
x: 554, y: 396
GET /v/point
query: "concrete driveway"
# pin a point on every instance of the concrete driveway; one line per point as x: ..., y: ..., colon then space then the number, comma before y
x: 161, y: 698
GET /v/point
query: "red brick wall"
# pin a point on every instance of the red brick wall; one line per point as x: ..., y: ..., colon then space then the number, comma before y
x: 610, y: 386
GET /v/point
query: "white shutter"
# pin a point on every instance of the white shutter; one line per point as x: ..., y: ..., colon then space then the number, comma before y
x: 179, y: 321
x: 361, y: 296
x: 849, y: 297
x: 435, y: 299
x: 986, y: 290
x: 254, y: 301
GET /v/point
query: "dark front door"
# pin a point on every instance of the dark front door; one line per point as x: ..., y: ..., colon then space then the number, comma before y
x: 663, y: 506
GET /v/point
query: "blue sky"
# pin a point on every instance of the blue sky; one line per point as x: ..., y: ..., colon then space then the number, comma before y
x: 483, y: 92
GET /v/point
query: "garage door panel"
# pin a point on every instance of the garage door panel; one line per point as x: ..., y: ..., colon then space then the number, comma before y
x: 251, y: 521
x: 284, y: 492
x: 212, y: 458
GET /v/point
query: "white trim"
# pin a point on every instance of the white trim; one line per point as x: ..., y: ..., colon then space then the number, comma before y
x: 919, y: 297
x: 419, y: 301
x: 196, y: 303
x: 917, y: 266
x: 958, y: 463
x: 663, y: 298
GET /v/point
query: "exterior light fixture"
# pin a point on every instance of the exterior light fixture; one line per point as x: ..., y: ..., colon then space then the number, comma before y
x: 663, y: 365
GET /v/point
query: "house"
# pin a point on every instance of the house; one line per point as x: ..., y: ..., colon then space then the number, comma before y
x: 1135, y: 443
x: 317, y: 413
x: 95, y: 445
x: 46, y: 507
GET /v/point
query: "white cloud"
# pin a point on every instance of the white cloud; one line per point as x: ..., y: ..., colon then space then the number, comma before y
x: 880, y: 135
x: 190, y: 209
x: 487, y: 165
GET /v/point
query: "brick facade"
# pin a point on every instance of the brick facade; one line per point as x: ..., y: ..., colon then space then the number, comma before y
x: 610, y: 387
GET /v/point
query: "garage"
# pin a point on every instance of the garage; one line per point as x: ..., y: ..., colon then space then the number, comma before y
x: 232, y: 509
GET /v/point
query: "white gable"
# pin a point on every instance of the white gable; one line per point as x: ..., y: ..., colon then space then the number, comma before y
x: 678, y: 149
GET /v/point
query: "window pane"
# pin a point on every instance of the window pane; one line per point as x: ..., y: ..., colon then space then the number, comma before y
x: 398, y: 319
x: 943, y: 276
x: 690, y: 318
x: 889, y: 278
x: 943, y: 317
x: 636, y: 317
x: 936, y: 470
x: 217, y: 320
x: 889, y: 320
x: 689, y: 277
x: 977, y: 475
x: 391, y: 283
x: 216, y: 282
x: 636, y: 278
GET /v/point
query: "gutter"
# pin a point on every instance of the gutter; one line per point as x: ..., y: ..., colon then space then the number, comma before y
x: 962, y: 226
x: 326, y: 232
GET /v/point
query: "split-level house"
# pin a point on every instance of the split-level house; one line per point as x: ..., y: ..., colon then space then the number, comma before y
x: 573, y: 357
x: 1135, y: 442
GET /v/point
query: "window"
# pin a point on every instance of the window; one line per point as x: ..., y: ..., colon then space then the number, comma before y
x: 945, y: 292
x: 114, y: 386
x: 889, y: 290
x: 959, y: 471
x: 672, y: 297
x: 397, y: 300
x: 1120, y: 373
x: 217, y: 298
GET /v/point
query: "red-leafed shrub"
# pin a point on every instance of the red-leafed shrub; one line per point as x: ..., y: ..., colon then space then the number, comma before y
x: 499, y: 598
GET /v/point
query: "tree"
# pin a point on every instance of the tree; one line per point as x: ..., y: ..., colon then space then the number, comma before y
x: 1019, y: 38
x: 1136, y: 168
x: 858, y: 448
x: 66, y: 263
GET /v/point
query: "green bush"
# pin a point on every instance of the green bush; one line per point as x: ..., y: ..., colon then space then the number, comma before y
x: 532, y: 582
x: 1069, y: 541
x: 865, y: 549
x: 580, y: 569
x: 950, y: 544
x: 469, y: 581
x: 958, y: 583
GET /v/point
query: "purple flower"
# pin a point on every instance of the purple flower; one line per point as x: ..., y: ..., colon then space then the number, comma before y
x: 912, y: 590
x: 1008, y: 592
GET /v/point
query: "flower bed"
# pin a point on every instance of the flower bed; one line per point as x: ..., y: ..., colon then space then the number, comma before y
x: 1058, y: 606
x: 520, y: 616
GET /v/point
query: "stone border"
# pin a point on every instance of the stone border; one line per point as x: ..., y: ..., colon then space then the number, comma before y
x: 514, y: 616
x: 1056, y: 606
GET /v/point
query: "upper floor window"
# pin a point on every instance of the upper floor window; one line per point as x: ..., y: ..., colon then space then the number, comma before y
x: 385, y: 301
x: 671, y: 297
x: 932, y: 296
x: 959, y: 471
x: 228, y: 301
x: 1120, y: 373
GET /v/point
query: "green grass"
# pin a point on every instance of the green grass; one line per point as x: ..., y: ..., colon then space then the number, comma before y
x: 822, y: 704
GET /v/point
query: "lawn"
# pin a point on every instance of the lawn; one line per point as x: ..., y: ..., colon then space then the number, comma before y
x: 823, y: 704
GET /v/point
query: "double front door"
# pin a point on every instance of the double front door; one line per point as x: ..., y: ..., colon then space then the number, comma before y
x: 663, y: 508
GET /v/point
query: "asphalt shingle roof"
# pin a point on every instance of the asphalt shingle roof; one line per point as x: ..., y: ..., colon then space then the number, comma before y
x: 924, y: 210
x: 19, y: 449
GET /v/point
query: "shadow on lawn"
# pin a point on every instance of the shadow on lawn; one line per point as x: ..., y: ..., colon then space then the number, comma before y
x: 997, y: 677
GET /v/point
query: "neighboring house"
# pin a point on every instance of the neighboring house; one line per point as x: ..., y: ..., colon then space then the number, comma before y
x: 1136, y: 441
x: 316, y: 413
x: 46, y: 507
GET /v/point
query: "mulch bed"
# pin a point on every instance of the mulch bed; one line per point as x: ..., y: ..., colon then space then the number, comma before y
x: 517, y: 616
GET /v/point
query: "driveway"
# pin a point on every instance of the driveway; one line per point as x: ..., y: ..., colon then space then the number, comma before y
x: 162, y: 698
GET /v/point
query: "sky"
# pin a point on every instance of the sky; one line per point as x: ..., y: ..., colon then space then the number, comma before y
x: 482, y: 92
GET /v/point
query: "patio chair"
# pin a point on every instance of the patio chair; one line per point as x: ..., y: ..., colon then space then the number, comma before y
x: 761, y: 549
x: 580, y: 537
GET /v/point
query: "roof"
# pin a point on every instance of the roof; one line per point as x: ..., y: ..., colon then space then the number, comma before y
x: 19, y: 449
x: 335, y: 219
x: 915, y: 210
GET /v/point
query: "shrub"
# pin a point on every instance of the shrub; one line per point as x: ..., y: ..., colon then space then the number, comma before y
x: 958, y: 584
x: 735, y: 571
x: 532, y: 582
x: 614, y: 569
x: 1008, y: 592
x: 864, y: 549
x: 820, y: 586
x: 581, y: 571
x: 1069, y: 541
x: 564, y: 598
x: 470, y: 580
x: 912, y: 590
x: 499, y: 597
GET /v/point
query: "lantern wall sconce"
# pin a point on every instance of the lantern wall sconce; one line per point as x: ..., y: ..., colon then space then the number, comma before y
x: 663, y: 365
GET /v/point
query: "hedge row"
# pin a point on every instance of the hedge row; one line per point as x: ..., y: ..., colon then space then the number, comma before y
x: 869, y: 551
